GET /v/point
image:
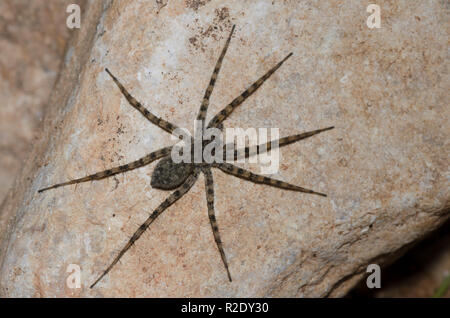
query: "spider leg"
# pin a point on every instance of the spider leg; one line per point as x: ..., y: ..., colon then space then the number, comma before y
x: 205, y: 103
x: 224, y: 113
x: 250, y: 176
x: 120, y: 169
x: 161, y: 123
x: 182, y: 190
x: 253, y: 150
x: 209, y: 186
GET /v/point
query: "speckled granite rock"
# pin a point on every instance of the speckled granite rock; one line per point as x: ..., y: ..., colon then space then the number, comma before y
x: 384, y: 167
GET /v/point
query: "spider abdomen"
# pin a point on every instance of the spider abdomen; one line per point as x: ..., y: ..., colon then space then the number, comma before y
x: 169, y: 175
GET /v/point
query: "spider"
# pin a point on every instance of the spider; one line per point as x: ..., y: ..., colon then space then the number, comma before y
x: 180, y: 177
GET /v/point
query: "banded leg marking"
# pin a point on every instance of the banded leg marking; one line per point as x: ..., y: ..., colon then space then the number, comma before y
x: 161, y: 123
x: 209, y: 187
x: 175, y: 196
x: 250, y: 176
x: 205, y: 103
x: 224, y: 113
x: 262, y: 148
x: 120, y: 169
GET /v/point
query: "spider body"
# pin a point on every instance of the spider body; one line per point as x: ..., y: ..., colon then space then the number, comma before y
x: 169, y: 175
x: 181, y: 176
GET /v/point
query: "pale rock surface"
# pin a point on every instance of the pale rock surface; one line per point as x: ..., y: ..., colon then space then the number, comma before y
x: 384, y: 167
x: 33, y: 36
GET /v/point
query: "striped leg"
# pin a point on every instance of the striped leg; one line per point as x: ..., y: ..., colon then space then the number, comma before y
x: 160, y: 209
x: 205, y: 103
x: 250, y: 176
x: 120, y: 169
x: 161, y: 123
x: 209, y: 187
x: 253, y: 150
x: 224, y: 113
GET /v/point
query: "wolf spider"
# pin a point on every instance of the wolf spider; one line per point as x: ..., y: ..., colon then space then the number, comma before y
x: 169, y: 175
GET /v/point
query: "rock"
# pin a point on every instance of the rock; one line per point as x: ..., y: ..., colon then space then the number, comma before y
x: 33, y: 36
x: 383, y: 167
x: 419, y: 273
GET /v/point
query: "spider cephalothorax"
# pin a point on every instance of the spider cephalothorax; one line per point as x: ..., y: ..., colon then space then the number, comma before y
x: 169, y: 175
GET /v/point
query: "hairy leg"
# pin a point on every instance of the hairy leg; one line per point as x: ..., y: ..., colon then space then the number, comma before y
x: 246, y: 152
x: 182, y: 190
x: 161, y: 123
x: 209, y: 187
x: 120, y: 169
x: 205, y: 103
x: 250, y: 176
x: 224, y: 113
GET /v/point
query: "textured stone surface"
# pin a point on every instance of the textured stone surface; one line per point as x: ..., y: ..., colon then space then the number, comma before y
x: 418, y: 273
x: 384, y: 167
x: 33, y: 36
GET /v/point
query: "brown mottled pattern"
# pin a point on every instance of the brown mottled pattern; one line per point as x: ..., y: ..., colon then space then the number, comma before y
x: 120, y: 169
x: 224, y: 113
x: 262, y: 148
x: 160, y: 209
x: 209, y: 188
x: 205, y: 103
x: 256, y: 178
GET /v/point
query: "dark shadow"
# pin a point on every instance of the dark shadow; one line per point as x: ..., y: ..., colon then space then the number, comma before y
x: 412, y: 264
